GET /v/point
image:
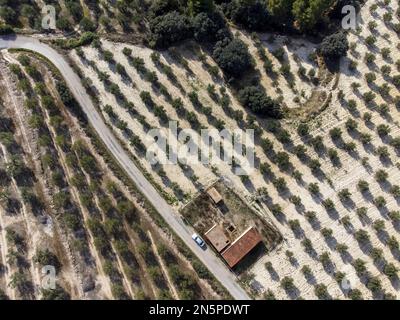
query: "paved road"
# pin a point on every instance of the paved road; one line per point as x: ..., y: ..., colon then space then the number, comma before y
x: 213, y: 263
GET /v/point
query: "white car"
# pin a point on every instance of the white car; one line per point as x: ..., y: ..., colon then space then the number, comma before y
x: 200, y: 242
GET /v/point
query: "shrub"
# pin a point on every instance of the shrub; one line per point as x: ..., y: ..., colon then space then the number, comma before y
x: 382, y: 152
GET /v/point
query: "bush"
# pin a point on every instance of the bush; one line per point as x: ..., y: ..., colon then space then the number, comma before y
x: 334, y: 46
x: 169, y: 29
x: 258, y: 102
x: 232, y: 56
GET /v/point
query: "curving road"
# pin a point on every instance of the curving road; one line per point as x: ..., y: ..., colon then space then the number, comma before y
x: 213, y: 263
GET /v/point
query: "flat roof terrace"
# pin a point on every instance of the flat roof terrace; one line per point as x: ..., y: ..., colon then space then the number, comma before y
x: 217, y: 237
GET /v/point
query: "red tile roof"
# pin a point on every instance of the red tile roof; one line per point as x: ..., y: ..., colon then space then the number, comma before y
x: 241, y: 246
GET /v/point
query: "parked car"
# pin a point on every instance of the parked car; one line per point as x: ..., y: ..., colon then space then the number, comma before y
x: 200, y: 242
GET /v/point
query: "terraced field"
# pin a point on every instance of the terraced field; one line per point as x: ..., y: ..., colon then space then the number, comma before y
x: 328, y: 174
x: 63, y: 206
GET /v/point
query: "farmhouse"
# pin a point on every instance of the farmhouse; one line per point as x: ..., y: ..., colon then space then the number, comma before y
x: 241, y: 246
x: 217, y: 237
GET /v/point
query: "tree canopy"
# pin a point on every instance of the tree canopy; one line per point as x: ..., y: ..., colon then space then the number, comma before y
x: 307, y: 13
x: 335, y: 45
x: 209, y: 27
x: 169, y: 29
x: 252, y: 15
x: 256, y: 100
x: 232, y: 56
